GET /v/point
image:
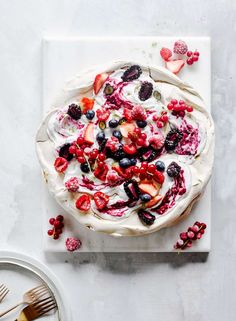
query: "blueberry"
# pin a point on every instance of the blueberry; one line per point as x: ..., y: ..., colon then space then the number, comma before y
x: 125, y: 162
x: 160, y: 166
x: 145, y: 198
x: 90, y: 114
x: 113, y: 123
x: 141, y: 123
x: 133, y: 161
x: 85, y: 168
x: 117, y: 134
x: 100, y: 137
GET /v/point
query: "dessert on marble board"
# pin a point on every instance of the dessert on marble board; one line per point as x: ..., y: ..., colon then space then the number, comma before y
x: 127, y: 148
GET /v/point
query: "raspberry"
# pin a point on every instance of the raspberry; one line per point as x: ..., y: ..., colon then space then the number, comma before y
x: 73, y: 244
x: 139, y: 113
x: 72, y: 184
x: 157, y: 141
x: 180, y: 47
x: 113, y: 178
x: 60, y: 164
x: 166, y: 53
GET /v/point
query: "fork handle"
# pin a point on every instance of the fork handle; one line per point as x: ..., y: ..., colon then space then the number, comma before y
x: 11, y: 309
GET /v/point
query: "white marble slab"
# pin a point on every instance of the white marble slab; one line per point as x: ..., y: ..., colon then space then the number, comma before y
x: 62, y: 59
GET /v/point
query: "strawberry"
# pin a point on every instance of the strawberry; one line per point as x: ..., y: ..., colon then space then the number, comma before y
x: 149, y: 188
x: 127, y: 114
x: 83, y: 203
x: 138, y: 113
x: 99, y: 81
x: 101, y: 172
x: 89, y: 134
x: 127, y: 128
x: 86, y: 104
x: 130, y: 149
x: 119, y: 170
x: 166, y: 53
x: 100, y: 200
x: 60, y: 164
x: 175, y: 65
x: 154, y: 201
x: 103, y: 114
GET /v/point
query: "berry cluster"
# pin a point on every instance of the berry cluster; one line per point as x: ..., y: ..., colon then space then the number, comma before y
x: 57, y: 224
x: 179, y: 108
x: 160, y: 120
x: 148, y: 171
x: 137, y: 137
x: 194, y: 232
x: 192, y: 57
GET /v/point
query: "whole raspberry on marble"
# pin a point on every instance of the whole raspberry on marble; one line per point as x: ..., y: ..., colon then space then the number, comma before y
x: 72, y: 184
x: 73, y: 244
x: 180, y: 47
x: 139, y: 113
x: 165, y: 53
x: 157, y: 141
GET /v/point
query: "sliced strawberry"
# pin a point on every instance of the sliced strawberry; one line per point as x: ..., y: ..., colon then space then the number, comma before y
x: 100, y: 200
x: 175, y: 65
x: 101, y: 172
x: 149, y: 188
x: 89, y: 134
x: 130, y: 149
x: 103, y: 114
x: 99, y: 81
x: 83, y: 203
x: 154, y: 201
x: 127, y: 114
x: 86, y: 104
x: 120, y: 171
x: 127, y: 128
x: 60, y: 164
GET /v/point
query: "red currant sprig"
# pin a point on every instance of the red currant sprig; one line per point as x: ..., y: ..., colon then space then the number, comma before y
x: 58, y: 225
x: 148, y: 171
x: 137, y: 137
x: 194, y: 233
x: 179, y: 106
x: 192, y: 57
x: 161, y: 120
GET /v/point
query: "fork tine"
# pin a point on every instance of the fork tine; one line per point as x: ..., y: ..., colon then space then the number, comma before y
x: 40, y: 292
x: 37, y: 288
x: 54, y: 306
x: 4, y: 291
x: 42, y: 302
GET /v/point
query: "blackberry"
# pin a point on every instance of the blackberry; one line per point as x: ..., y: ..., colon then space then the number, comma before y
x: 145, y: 91
x: 85, y: 168
x: 172, y: 139
x: 131, y: 189
x: 108, y: 90
x: 64, y: 152
x: 146, y: 217
x: 147, y: 154
x: 132, y: 73
x: 74, y: 111
x: 173, y: 169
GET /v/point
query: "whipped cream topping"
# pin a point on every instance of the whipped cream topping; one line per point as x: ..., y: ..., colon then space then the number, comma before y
x: 194, y: 153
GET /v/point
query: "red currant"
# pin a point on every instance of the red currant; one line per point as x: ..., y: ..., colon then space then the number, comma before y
x: 151, y: 168
x: 144, y: 165
x: 140, y: 142
x: 72, y: 149
x: 196, y: 53
x: 57, y: 224
x: 101, y: 156
x: 155, y: 117
x: 56, y: 236
x: 80, y: 140
x: 51, y: 221
x: 60, y: 218
x: 189, y: 53
x: 190, y: 61
x: 136, y: 170
x: 159, y: 124
x: 174, y: 101
x: 79, y: 152
x: 143, y: 136
x: 170, y: 106
x: 189, y: 109
x: 165, y: 118
x: 195, y: 58
x: 137, y: 131
x: 50, y: 232
x: 81, y: 160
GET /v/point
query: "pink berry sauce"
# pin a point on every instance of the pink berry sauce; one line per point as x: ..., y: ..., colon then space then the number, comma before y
x: 168, y: 201
x: 190, y: 141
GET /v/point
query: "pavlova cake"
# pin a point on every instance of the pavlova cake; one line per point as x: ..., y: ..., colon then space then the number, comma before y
x: 127, y: 148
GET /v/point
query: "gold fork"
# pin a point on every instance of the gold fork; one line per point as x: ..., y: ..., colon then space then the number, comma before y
x: 37, y: 309
x: 3, y: 292
x: 29, y: 297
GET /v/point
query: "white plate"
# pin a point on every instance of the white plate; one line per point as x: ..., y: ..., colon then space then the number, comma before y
x: 21, y: 273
